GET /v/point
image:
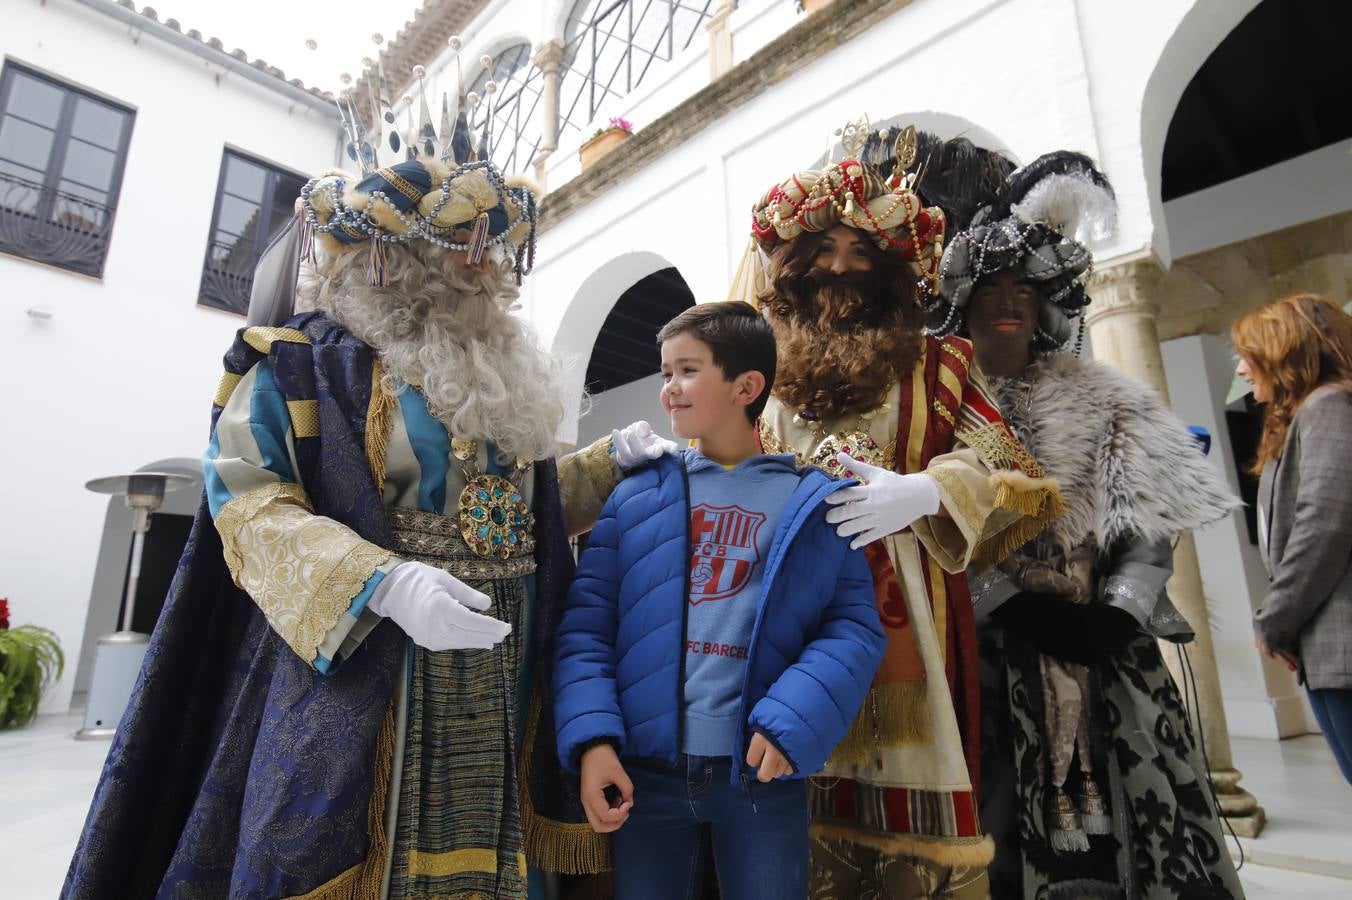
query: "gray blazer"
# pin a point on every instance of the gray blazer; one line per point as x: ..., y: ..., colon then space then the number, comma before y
x: 1306, y: 500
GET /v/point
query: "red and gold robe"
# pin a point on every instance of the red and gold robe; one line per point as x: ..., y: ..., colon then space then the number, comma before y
x: 903, y: 783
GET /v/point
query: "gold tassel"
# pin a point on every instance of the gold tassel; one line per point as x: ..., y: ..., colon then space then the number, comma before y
x: 893, y: 715
x: 570, y: 848
x: 379, y: 425
x: 1038, y: 500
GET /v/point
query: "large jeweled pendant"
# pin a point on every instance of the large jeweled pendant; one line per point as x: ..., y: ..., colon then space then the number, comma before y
x: 858, y: 444
x: 494, y: 519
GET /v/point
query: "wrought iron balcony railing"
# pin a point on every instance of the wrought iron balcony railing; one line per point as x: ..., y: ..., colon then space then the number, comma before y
x: 53, y: 227
x: 227, y: 276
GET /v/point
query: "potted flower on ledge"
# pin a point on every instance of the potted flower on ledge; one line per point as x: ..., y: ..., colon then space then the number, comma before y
x: 30, y: 660
x: 604, y: 140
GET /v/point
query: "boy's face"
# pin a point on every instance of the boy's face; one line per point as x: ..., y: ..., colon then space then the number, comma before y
x: 699, y: 399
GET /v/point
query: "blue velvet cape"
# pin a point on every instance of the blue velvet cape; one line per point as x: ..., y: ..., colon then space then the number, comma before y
x: 237, y: 769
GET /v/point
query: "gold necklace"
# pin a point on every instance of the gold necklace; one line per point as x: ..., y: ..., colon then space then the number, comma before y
x: 856, y: 442
x: 494, y: 519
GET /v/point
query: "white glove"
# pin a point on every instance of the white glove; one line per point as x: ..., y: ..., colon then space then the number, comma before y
x: 884, y: 504
x: 436, y: 609
x: 636, y: 444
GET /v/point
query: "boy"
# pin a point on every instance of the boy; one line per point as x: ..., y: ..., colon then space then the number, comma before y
x: 719, y: 636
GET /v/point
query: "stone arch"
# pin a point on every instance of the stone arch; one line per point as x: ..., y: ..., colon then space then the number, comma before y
x: 1199, y: 32
x: 582, y: 320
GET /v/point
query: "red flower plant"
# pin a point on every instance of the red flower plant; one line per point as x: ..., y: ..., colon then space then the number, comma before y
x: 4, y: 613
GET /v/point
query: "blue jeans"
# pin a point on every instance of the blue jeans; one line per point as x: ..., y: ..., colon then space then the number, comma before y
x: 1333, y: 710
x: 759, y: 833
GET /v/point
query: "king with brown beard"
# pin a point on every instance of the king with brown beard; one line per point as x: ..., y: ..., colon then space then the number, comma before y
x: 862, y: 388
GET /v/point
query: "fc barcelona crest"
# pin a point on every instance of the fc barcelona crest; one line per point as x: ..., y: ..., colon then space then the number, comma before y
x: 725, y: 552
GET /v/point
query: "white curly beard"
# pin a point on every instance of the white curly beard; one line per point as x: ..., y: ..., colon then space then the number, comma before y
x: 450, y: 332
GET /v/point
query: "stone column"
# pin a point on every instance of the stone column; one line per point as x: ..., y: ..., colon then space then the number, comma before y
x: 720, y: 40
x: 549, y: 59
x: 1121, y: 323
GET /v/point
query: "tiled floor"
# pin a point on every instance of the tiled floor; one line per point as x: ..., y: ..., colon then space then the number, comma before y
x: 46, y: 780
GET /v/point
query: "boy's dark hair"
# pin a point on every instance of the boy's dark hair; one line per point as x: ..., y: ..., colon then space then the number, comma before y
x: 739, y: 338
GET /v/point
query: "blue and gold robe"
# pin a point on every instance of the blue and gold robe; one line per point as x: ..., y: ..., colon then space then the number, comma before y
x: 257, y: 756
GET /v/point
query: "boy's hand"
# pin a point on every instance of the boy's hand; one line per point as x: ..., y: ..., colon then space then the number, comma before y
x: 766, y: 758
x: 601, y: 769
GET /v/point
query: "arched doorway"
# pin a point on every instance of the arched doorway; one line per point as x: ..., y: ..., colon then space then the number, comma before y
x: 607, y: 332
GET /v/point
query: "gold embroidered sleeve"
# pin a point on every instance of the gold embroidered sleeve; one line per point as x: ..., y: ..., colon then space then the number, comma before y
x: 586, y: 478
x: 302, y: 570
x: 966, y: 499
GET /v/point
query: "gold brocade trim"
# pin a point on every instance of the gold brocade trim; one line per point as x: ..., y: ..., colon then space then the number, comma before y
x: 379, y: 425
x: 586, y: 479
x: 304, y: 417
x: 301, y: 569
x: 366, y: 880
x: 225, y: 387
x: 334, y: 596
x: 998, y: 449
x: 452, y: 862
x: 960, y: 505
x: 1038, y: 500
x: 400, y: 184
x: 262, y: 337
x: 953, y: 851
x: 240, y: 510
x: 569, y: 848
x: 944, y: 413
x: 893, y: 715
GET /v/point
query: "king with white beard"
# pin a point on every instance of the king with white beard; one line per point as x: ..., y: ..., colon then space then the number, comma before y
x: 342, y: 697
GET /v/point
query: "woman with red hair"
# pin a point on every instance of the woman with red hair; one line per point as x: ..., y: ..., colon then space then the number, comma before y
x: 1296, y: 352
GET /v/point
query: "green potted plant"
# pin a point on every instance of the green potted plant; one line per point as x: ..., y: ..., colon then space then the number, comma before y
x: 30, y: 660
x: 603, y: 140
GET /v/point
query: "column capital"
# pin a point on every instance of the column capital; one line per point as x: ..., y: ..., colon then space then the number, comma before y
x: 548, y: 57
x: 1127, y: 287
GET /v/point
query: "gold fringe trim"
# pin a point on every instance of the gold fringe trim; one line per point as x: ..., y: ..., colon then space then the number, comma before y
x: 946, y: 851
x: 379, y: 426
x: 569, y: 848
x: 1038, y: 500
x: 893, y: 715
x: 366, y: 880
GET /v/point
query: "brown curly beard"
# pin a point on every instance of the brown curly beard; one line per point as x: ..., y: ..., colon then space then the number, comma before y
x: 843, y: 339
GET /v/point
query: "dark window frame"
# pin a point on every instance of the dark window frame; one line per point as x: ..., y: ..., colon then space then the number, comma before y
x: 240, y: 280
x: 34, y: 236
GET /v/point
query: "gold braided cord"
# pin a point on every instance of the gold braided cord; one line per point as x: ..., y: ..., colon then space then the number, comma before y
x: 379, y: 425
x: 304, y: 417
x: 225, y: 387
x: 262, y: 337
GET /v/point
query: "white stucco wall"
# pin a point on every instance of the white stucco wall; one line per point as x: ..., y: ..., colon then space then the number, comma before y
x: 123, y: 372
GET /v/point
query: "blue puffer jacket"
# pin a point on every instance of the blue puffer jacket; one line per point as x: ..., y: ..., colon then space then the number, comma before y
x: 619, y: 649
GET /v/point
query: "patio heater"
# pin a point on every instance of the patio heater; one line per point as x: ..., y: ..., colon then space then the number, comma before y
x: 119, y: 655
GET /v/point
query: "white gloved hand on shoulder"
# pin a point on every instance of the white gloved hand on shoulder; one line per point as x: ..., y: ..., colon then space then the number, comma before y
x: 436, y: 610
x: 637, y: 443
x: 884, y: 504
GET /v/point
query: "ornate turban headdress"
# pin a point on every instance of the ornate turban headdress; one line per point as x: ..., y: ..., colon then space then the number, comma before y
x: 431, y: 185
x: 849, y: 192
x: 1036, y: 225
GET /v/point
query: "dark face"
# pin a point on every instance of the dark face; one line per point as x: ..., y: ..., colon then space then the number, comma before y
x: 1002, y: 318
